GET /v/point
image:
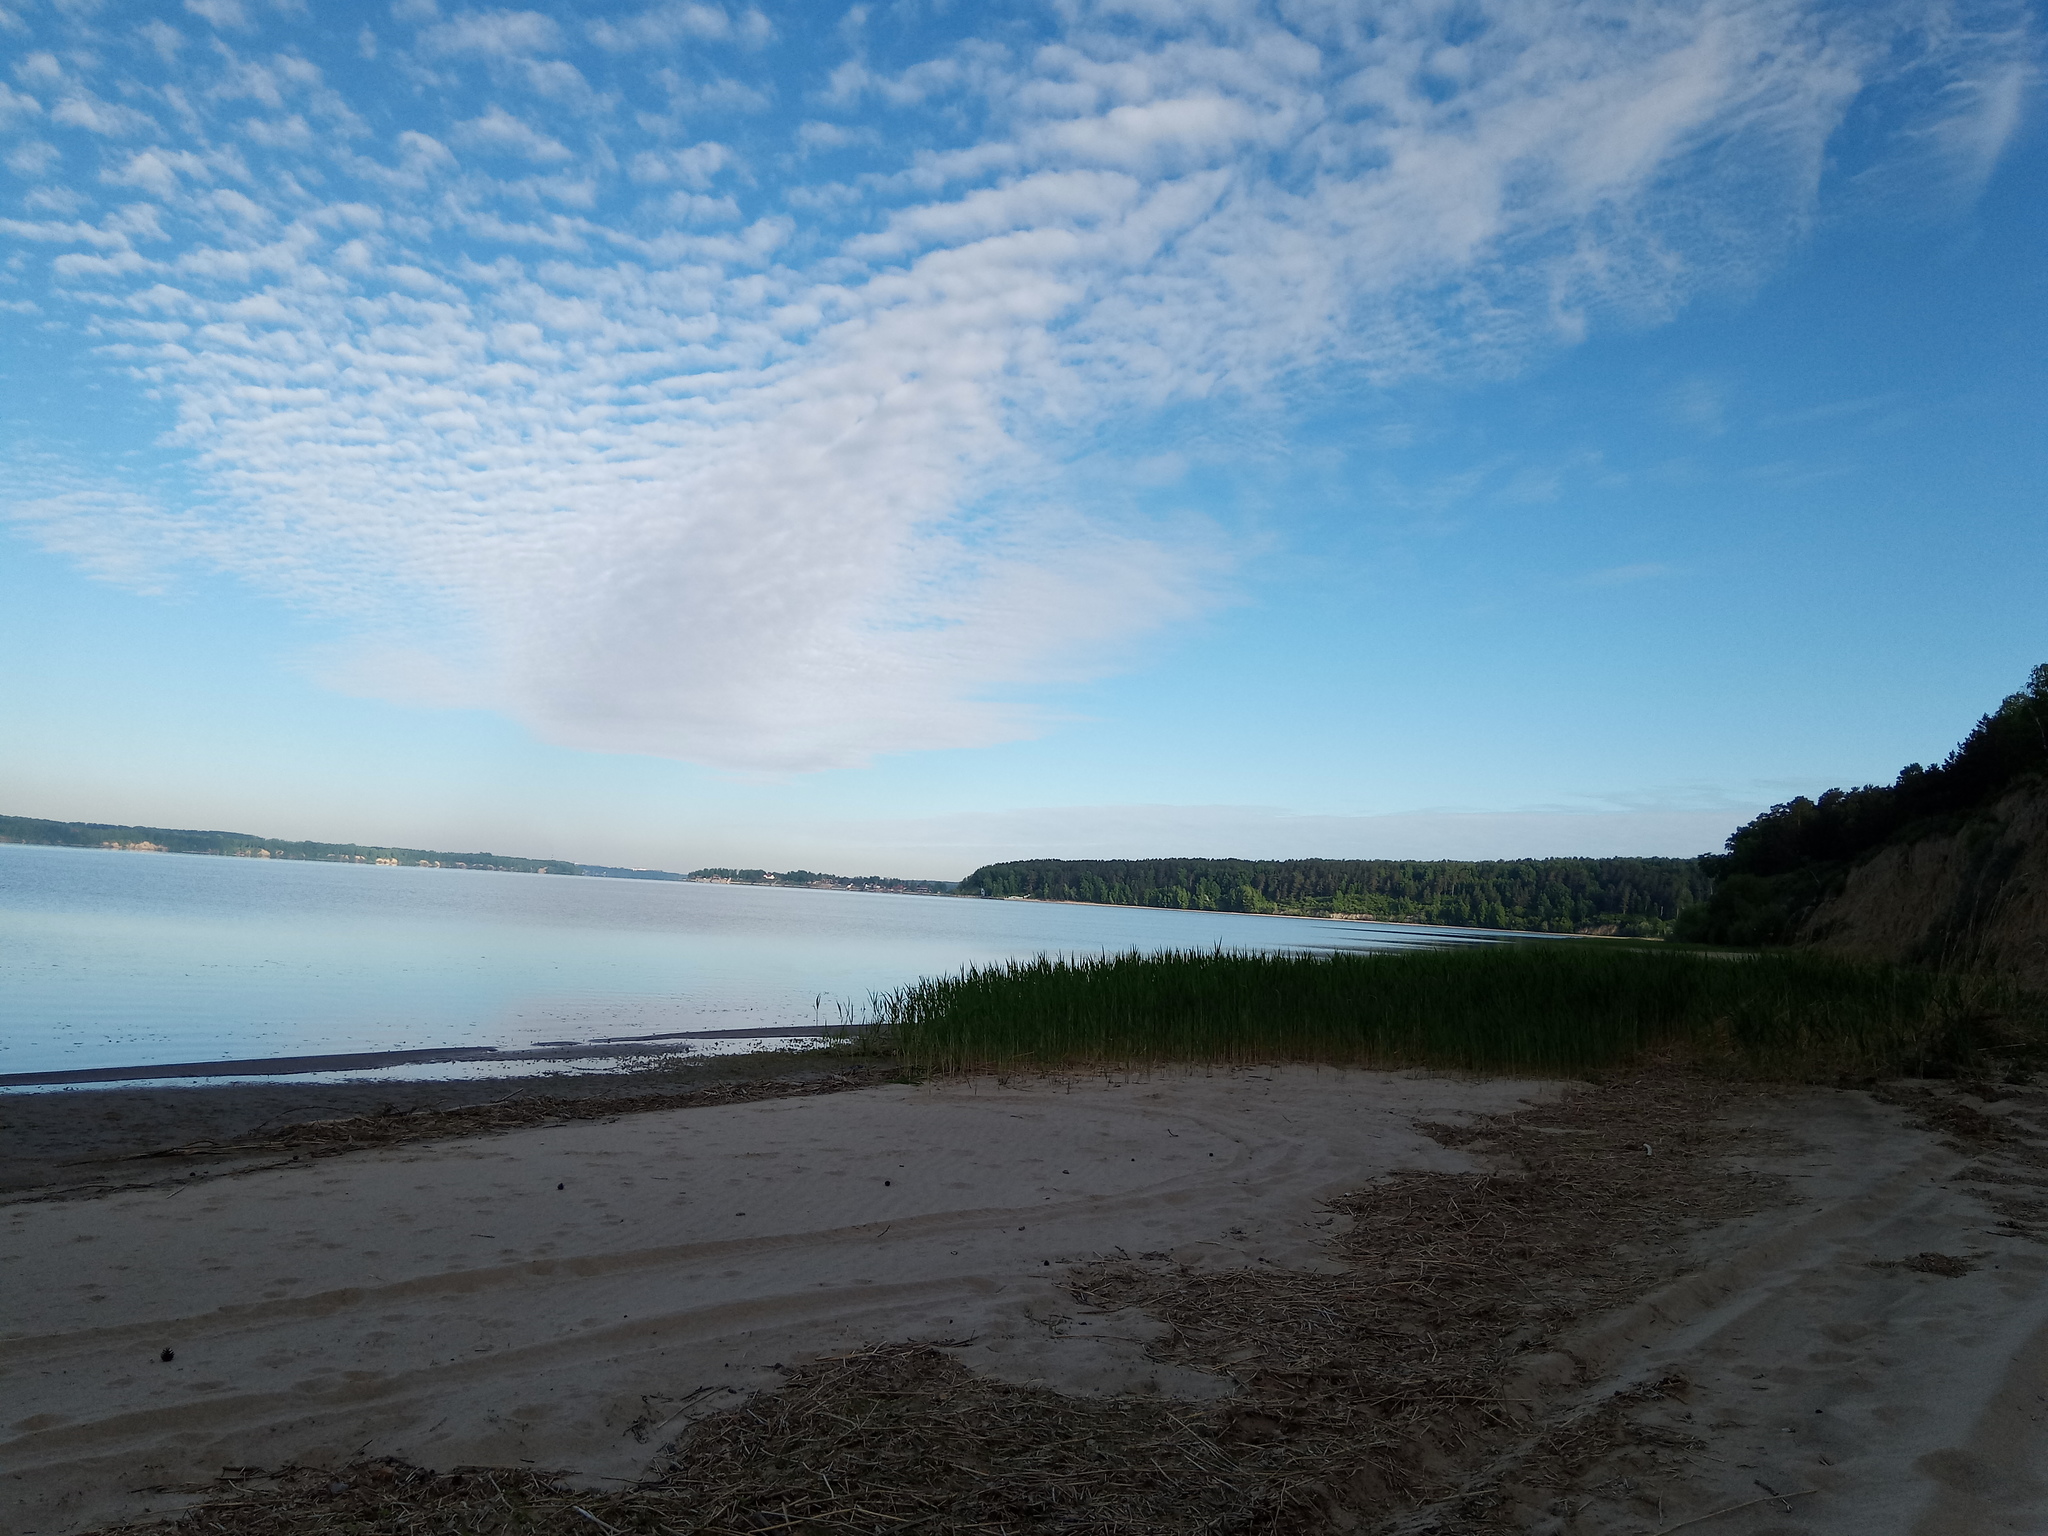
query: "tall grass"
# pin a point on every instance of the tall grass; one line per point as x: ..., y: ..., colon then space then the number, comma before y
x: 1513, y: 1007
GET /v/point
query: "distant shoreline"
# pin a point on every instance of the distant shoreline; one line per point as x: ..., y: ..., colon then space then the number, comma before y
x: 1299, y: 917
x: 35, y: 831
x: 819, y: 880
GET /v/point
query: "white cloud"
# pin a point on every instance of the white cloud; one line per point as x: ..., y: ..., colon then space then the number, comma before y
x: 62, y: 234
x: 39, y: 68
x: 723, y: 94
x: 17, y: 104
x: 661, y: 26
x: 157, y: 171
x: 1989, y: 114
x: 52, y: 199
x: 1050, y: 198
x: 228, y: 14
x: 790, y: 489
x: 163, y: 39
x: 815, y: 135
x: 494, y: 34
x: 422, y: 151
x: 86, y: 524
x: 107, y: 118
x: 1983, y: 91
x: 502, y: 133
x: 696, y: 208
x: 694, y: 166
x: 120, y: 264
x: 291, y: 132
x: 32, y: 157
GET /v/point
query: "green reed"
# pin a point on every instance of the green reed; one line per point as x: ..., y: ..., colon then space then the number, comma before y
x: 1546, y: 1007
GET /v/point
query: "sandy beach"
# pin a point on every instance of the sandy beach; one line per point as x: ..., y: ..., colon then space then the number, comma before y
x: 84, y: 1136
x: 569, y: 1297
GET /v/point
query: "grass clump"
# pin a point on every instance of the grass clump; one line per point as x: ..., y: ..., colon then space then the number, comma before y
x: 1546, y: 1008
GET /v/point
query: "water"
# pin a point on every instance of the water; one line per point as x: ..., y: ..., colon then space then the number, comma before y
x: 111, y: 959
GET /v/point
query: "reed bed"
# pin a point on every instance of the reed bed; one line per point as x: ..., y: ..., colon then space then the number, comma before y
x: 1543, y: 1008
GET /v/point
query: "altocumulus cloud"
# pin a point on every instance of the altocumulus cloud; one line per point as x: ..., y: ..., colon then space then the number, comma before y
x: 678, y: 382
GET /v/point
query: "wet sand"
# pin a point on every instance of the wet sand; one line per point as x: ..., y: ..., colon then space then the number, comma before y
x: 73, y: 1135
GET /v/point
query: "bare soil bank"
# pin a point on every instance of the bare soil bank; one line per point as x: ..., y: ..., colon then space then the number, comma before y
x: 1974, y: 898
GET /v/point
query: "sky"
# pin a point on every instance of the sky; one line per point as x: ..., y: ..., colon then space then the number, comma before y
x: 893, y: 437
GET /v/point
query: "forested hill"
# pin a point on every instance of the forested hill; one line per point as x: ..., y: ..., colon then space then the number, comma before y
x: 1635, y: 897
x: 1780, y: 867
x: 245, y: 845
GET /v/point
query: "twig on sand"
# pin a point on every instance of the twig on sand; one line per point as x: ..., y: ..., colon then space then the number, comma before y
x: 1715, y: 1514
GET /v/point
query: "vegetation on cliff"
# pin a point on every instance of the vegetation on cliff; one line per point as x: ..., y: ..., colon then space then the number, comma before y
x: 1781, y: 867
x: 1632, y: 897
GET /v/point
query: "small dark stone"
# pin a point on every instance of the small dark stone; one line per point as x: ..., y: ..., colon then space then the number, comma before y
x: 169, y: 1354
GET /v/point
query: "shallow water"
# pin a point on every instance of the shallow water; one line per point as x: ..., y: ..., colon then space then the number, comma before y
x: 115, y: 959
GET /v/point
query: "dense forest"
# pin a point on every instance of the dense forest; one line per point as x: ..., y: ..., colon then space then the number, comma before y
x: 811, y: 879
x: 1631, y: 897
x: 1782, y: 865
x: 95, y: 834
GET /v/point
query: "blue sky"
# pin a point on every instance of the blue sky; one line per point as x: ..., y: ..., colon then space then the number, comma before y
x: 891, y: 437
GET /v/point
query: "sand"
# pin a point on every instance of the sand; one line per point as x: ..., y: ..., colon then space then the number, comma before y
x: 566, y: 1297
x: 77, y: 1135
x: 1821, y: 1364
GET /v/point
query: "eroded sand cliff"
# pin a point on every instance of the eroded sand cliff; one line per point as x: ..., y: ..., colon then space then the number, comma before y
x: 1976, y: 897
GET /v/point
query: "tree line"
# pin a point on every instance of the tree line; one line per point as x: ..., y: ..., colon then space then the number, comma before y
x: 1631, y: 897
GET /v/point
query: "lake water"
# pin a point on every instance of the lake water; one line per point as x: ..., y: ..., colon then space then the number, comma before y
x: 111, y: 959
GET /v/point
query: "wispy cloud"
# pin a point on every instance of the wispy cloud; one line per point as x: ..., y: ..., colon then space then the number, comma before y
x: 660, y: 447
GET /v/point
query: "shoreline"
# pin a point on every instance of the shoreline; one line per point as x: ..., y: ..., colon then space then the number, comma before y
x: 614, y: 1048
x: 1463, y: 935
x: 55, y: 1138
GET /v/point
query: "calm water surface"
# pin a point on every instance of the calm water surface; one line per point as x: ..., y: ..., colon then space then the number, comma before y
x: 117, y: 959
